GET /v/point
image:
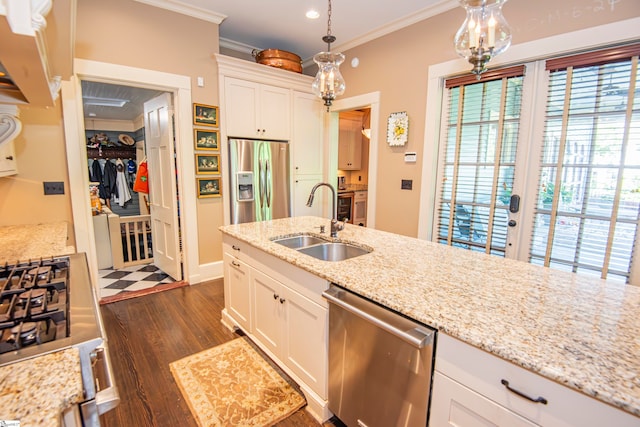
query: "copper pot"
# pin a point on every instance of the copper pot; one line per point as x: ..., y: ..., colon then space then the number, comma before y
x: 279, y: 59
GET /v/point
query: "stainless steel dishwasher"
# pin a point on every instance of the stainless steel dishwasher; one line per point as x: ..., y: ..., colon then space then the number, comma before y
x: 380, y: 363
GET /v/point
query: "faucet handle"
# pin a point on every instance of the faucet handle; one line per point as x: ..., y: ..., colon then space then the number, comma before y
x: 322, y: 229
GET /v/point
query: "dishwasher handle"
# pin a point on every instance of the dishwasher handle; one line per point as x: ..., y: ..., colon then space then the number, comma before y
x: 411, y: 332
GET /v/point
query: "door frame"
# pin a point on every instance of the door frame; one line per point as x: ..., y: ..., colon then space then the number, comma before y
x: 368, y: 100
x: 73, y: 119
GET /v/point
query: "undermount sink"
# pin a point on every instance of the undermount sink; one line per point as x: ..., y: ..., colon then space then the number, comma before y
x: 320, y: 248
x: 296, y: 242
x: 333, y: 251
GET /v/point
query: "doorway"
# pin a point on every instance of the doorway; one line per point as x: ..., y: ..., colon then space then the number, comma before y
x: 360, y: 106
x: 180, y: 88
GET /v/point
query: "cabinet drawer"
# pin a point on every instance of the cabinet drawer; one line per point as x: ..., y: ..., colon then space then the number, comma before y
x: 236, y: 248
x: 483, y: 373
x: 456, y: 405
x: 360, y: 195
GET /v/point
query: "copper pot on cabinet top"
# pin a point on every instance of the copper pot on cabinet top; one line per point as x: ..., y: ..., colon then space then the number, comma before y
x: 279, y: 59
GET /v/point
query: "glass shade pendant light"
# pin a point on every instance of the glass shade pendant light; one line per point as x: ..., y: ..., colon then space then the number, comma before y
x: 328, y: 83
x: 483, y: 34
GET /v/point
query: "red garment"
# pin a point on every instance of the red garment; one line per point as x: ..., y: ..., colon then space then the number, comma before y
x: 141, y: 184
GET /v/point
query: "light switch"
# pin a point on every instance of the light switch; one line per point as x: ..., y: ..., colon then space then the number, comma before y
x: 200, y: 81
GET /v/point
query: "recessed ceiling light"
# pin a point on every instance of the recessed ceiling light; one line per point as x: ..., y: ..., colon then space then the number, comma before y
x: 312, y: 14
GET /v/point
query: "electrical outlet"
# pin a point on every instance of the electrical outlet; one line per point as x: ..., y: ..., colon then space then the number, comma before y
x: 53, y: 188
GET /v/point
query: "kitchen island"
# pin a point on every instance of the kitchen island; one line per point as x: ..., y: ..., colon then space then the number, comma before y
x: 577, y: 331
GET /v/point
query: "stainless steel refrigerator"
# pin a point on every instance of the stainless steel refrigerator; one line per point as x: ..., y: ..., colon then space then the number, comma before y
x: 259, y: 180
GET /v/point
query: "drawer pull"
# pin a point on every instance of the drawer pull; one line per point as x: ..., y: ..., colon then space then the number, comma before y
x: 235, y: 264
x: 539, y: 399
x: 275, y: 296
x: 235, y: 248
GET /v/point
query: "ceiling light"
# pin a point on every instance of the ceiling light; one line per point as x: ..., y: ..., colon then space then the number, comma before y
x: 104, y: 102
x: 328, y: 82
x: 312, y: 14
x: 483, y: 34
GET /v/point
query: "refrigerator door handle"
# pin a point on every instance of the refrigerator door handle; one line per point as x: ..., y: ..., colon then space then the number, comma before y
x: 261, y: 178
x: 268, y: 182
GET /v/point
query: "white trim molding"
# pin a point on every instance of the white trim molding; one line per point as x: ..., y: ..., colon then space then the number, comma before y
x: 186, y: 9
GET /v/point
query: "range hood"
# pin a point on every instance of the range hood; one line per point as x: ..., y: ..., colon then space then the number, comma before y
x: 28, y: 75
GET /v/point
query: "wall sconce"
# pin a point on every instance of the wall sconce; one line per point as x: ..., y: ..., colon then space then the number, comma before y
x: 483, y: 34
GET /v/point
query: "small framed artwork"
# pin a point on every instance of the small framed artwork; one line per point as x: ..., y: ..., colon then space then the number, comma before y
x: 205, y: 139
x: 208, y: 187
x: 207, y: 163
x: 397, y: 128
x: 205, y: 115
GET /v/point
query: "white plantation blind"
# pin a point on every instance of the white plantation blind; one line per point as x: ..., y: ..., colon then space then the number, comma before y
x: 478, y: 162
x: 588, y: 204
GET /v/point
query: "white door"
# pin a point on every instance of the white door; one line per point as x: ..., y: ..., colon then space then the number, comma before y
x: 163, y: 203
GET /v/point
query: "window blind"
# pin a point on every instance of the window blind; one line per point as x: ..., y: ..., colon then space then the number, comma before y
x: 588, y: 204
x: 477, y: 166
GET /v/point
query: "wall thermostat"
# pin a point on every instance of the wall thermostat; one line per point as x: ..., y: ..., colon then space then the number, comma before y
x: 410, y: 157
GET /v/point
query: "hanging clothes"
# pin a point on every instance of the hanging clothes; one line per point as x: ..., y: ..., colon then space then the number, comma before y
x: 141, y: 185
x: 131, y: 172
x: 97, y: 176
x: 109, y: 179
x: 124, y: 195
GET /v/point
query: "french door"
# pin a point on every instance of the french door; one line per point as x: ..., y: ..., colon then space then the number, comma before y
x: 565, y: 193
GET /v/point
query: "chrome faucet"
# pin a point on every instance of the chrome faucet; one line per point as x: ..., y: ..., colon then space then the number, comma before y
x: 335, y: 224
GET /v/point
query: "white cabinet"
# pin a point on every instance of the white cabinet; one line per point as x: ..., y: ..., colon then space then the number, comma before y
x: 292, y: 327
x: 360, y: 208
x: 469, y: 389
x: 237, y: 289
x: 350, y: 144
x: 308, y: 153
x: 280, y: 307
x: 255, y: 110
x: 8, y: 165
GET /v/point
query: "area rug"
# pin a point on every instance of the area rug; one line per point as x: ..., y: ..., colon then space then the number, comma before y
x: 233, y: 385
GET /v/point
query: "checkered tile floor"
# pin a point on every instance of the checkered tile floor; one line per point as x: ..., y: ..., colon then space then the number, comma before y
x: 131, y: 279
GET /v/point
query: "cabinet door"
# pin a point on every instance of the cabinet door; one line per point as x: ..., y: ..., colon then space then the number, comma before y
x: 7, y: 159
x: 274, y: 108
x: 302, y: 186
x: 308, y: 126
x: 350, y: 145
x: 453, y: 404
x: 268, y: 303
x: 237, y: 290
x: 240, y: 108
x: 305, y: 346
x: 360, y: 208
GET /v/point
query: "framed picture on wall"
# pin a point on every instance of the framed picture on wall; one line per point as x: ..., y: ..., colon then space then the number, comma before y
x: 208, y: 187
x: 207, y: 163
x: 205, y: 115
x: 205, y: 139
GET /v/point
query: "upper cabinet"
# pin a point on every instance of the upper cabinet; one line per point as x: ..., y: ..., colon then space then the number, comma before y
x: 31, y: 75
x: 256, y: 110
x: 350, y: 142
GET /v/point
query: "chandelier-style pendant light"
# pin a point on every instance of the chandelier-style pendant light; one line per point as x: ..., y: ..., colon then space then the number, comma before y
x: 328, y: 83
x: 483, y: 34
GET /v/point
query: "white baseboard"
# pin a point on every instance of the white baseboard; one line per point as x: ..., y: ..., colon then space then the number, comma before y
x: 206, y: 272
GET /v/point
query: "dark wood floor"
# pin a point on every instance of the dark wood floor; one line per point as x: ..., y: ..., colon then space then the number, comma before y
x: 145, y: 334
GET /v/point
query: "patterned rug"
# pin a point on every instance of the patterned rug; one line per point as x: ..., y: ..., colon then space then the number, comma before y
x: 232, y: 385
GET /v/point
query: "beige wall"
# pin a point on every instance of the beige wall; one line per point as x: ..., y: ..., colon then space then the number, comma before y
x: 40, y: 156
x: 397, y: 66
x: 134, y: 34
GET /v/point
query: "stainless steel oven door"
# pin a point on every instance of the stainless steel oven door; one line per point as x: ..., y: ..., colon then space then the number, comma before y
x: 106, y: 393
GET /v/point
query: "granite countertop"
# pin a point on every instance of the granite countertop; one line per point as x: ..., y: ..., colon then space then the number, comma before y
x: 353, y: 187
x: 37, y: 391
x: 32, y: 241
x: 579, y: 331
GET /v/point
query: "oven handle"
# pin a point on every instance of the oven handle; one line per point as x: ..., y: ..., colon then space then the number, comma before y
x: 107, y: 396
x: 106, y: 393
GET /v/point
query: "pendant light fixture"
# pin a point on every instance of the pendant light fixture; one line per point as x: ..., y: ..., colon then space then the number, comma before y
x: 484, y: 33
x: 328, y: 83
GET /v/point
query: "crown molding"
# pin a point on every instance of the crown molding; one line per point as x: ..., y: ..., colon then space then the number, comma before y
x: 186, y: 9
x: 398, y: 24
x: 237, y: 46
